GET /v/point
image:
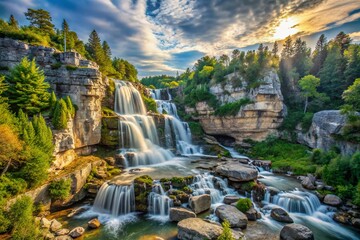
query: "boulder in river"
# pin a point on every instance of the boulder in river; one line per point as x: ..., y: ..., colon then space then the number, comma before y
x: 252, y: 214
x: 229, y: 199
x: 94, y: 223
x: 308, y: 183
x: 198, y: 229
x: 296, y: 232
x: 237, y: 172
x: 281, y: 215
x: 178, y: 214
x: 77, y: 232
x: 200, y: 203
x: 332, y: 200
x: 45, y: 223
x: 230, y: 213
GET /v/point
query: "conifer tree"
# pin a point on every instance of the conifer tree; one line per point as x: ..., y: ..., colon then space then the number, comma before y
x: 70, y: 106
x: 27, y: 89
x: 40, y: 19
x: 275, y: 49
x: 12, y: 22
x: 319, y: 55
x: 52, y: 100
x: 43, y: 138
x: 94, y: 48
x: 60, y: 117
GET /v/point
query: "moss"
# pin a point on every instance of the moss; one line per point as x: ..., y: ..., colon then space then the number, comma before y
x: 114, y: 171
x: 144, y: 179
x: 244, y: 204
x: 107, y: 112
x: 248, y: 186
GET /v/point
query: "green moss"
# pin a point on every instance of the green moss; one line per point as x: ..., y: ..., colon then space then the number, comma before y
x: 107, y: 112
x: 248, y: 186
x: 144, y: 179
x: 196, y: 129
x: 114, y: 171
x: 231, y: 109
x: 244, y: 204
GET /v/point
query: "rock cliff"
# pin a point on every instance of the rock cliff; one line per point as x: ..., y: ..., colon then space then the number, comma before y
x: 69, y: 74
x: 322, y: 133
x: 256, y: 120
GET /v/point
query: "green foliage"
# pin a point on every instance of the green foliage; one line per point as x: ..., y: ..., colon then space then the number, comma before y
x: 27, y: 89
x: 60, y: 189
x: 150, y: 104
x: 11, y: 186
x: 226, y: 233
x: 351, y: 95
x: 61, y: 115
x: 161, y: 81
x: 231, y: 109
x: 20, y: 215
x: 357, y: 195
x: 308, y: 85
x: 196, y: 129
x: 243, y: 204
x: 144, y: 179
x: 41, y: 20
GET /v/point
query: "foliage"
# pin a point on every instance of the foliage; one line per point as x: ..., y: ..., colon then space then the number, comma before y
x: 196, y: 128
x: 226, y: 233
x: 351, y: 95
x: 40, y: 19
x: 60, y: 189
x: 27, y: 89
x: 162, y: 81
x: 233, y: 108
x: 308, y: 85
x: 243, y: 204
x: 150, y: 104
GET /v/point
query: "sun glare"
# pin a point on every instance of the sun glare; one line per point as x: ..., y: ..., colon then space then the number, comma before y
x: 286, y: 27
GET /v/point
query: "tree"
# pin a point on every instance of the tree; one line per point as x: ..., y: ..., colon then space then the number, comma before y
x: 319, y: 55
x: 70, y: 106
x: 3, y: 87
x: 301, y: 58
x: 27, y: 89
x: 275, y: 49
x: 343, y: 41
x: 352, y: 71
x: 40, y: 19
x: 226, y: 234
x: 351, y: 95
x: 94, y: 48
x: 60, y: 117
x: 308, y: 85
x: 224, y: 59
x: 12, y: 22
x: 10, y: 147
x: 107, y: 50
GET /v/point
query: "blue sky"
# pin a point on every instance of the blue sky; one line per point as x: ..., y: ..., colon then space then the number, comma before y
x: 166, y: 36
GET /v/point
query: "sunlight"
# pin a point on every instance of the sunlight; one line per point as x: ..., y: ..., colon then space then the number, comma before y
x: 286, y: 27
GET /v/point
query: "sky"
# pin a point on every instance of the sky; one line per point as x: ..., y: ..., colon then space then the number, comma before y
x: 166, y: 36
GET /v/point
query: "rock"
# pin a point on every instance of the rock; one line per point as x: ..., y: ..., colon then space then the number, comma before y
x: 110, y: 160
x: 252, y: 214
x: 332, y: 200
x: 355, y: 222
x: 45, y: 223
x: 329, y: 188
x: 55, y: 225
x: 76, y: 212
x: 296, y: 232
x: 237, y: 172
x: 198, y: 229
x: 229, y: 199
x: 281, y: 215
x: 61, y: 232
x: 178, y: 214
x: 77, y: 232
x: 230, y: 213
x: 49, y: 236
x: 273, y: 191
x: 94, y: 223
x: 341, y: 217
x: 200, y: 203
x: 308, y: 183
x: 354, y: 213
x: 64, y: 237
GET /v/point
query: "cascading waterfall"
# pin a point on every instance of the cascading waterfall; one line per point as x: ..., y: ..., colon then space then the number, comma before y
x: 137, y: 132
x: 159, y: 202
x: 115, y: 200
x: 177, y: 133
x: 209, y: 184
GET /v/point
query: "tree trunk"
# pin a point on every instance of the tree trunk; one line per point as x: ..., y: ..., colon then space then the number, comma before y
x: 6, y: 168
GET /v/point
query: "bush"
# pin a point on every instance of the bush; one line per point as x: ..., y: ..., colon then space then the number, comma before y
x: 231, y: 109
x: 61, y: 115
x: 226, y: 234
x: 150, y: 104
x: 244, y: 204
x: 60, y: 189
x: 196, y: 128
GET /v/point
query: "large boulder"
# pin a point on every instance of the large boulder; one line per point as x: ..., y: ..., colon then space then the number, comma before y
x: 237, y: 172
x: 296, y: 232
x: 94, y: 223
x: 45, y: 223
x: 332, y: 200
x: 252, y: 214
x: 61, y: 232
x: 77, y: 232
x: 55, y: 225
x: 308, y: 182
x: 200, y: 203
x: 281, y: 215
x: 178, y: 214
x: 231, y: 199
x: 230, y: 213
x: 198, y: 229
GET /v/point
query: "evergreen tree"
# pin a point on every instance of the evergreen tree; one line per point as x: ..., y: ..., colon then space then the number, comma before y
x: 106, y: 49
x: 52, y: 100
x: 65, y: 27
x: 352, y: 71
x: 3, y: 87
x: 94, y: 48
x: 70, y: 106
x: 12, y: 22
x: 43, y: 138
x: 343, y: 41
x: 319, y: 55
x: 29, y: 134
x: 27, y: 89
x: 61, y: 115
x: 301, y: 58
x: 275, y: 49
x: 40, y: 19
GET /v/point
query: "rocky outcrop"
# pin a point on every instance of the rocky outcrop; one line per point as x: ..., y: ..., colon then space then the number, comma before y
x: 237, y: 172
x: 326, y: 125
x: 296, y: 231
x: 178, y: 214
x: 332, y: 200
x: 200, y: 203
x: 198, y: 229
x: 69, y: 74
x: 256, y: 120
x: 231, y: 214
x: 281, y: 215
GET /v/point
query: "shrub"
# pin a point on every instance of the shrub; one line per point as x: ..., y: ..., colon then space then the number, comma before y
x: 231, y: 109
x: 150, y: 104
x: 196, y: 128
x: 60, y: 189
x: 60, y: 117
x: 244, y: 204
x: 226, y: 233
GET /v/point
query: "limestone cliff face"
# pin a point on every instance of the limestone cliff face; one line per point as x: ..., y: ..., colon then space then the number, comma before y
x: 256, y: 120
x: 322, y: 133
x: 82, y: 82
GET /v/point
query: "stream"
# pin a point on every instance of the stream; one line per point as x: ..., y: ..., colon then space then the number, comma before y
x: 140, y: 146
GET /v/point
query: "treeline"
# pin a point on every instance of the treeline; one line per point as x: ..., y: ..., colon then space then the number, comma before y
x: 41, y: 31
x: 162, y: 81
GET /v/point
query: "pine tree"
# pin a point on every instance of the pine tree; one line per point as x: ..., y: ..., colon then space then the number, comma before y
x: 94, y: 48
x: 61, y: 114
x: 275, y: 49
x: 31, y: 134
x: 319, y: 55
x: 12, y: 22
x: 3, y: 87
x: 301, y: 59
x: 106, y: 49
x: 40, y: 19
x: 43, y: 137
x: 52, y: 100
x: 70, y: 106
x: 352, y: 71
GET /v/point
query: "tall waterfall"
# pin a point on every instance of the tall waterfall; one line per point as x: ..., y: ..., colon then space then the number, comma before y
x: 137, y: 131
x: 159, y: 202
x: 177, y: 133
x: 115, y: 200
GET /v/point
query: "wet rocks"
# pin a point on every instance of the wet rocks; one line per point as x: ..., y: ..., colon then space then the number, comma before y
x: 55, y: 225
x: 77, y: 232
x: 62, y: 232
x: 94, y: 223
x: 332, y: 200
x: 200, y: 203
x: 281, y: 215
x: 229, y: 199
x: 252, y: 214
x: 45, y: 223
x: 230, y: 213
x: 178, y: 214
x: 296, y: 232
x: 237, y: 172
x: 309, y: 182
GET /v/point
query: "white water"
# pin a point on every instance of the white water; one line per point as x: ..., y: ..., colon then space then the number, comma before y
x: 159, y: 203
x: 138, y: 136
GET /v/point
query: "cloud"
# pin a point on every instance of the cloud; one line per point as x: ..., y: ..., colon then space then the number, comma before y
x: 355, y: 36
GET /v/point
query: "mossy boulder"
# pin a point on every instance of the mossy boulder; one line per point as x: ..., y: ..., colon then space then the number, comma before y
x: 178, y: 182
x: 109, y: 131
x: 142, y: 188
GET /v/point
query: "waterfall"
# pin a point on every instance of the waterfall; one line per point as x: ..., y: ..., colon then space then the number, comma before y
x: 209, y: 184
x: 115, y: 200
x: 159, y: 202
x: 138, y: 136
x: 177, y: 133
